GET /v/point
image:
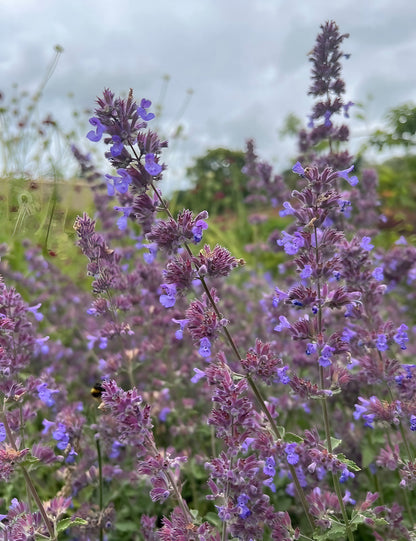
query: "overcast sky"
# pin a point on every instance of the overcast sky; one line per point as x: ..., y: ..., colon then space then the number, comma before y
x: 245, y: 60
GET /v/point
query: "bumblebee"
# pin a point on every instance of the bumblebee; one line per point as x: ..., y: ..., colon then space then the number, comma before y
x: 97, y: 391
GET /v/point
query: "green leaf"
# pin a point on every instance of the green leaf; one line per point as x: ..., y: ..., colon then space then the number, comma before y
x: 291, y: 438
x: 335, y: 442
x: 350, y: 463
x: 66, y: 523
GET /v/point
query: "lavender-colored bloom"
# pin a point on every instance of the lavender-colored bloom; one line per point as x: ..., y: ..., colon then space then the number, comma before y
x: 413, y: 423
x: 378, y: 274
x: 182, y: 324
x: 45, y: 394
x: 154, y: 169
x: 242, y: 500
x: 60, y: 434
x: 326, y: 354
x: 122, y: 221
x: 96, y: 135
x: 150, y: 256
x: 311, y: 348
x: 306, y: 272
x: 120, y: 183
x: 381, y: 342
x: 204, y: 347
x: 291, y: 243
x: 401, y: 336
x: 327, y: 119
x: 284, y: 324
x: 141, y: 110
x: 199, y: 374
x: 289, y: 210
x: 34, y: 309
x: 292, y: 456
x: 282, y: 375
x: 347, y: 106
x: 366, y: 244
x: 168, y: 299
x: 270, y: 466
x: 117, y: 147
x: 345, y: 475
x: 3, y: 434
x: 344, y: 174
x: 200, y: 225
x: 297, y: 168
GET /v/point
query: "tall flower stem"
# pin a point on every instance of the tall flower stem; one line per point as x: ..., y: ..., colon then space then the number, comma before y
x: 28, y: 479
x: 260, y: 400
x: 100, y: 484
x: 325, y: 403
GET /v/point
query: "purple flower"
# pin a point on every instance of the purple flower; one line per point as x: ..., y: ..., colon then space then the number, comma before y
x: 284, y: 324
x: 270, y: 467
x: 366, y: 244
x: 3, y: 434
x: 200, y: 225
x: 150, y: 256
x: 381, y: 342
x: 60, y: 434
x: 199, y: 374
x: 204, y: 347
x: 412, y: 423
x: 141, y: 110
x: 292, y: 456
x: 297, y: 168
x: 120, y: 183
x: 182, y: 324
x: 327, y: 117
x: 401, y: 336
x: 34, y: 310
x: 291, y: 243
x: 242, y: 500
x: 282, y: 375
x: 122, y: 221
x: 306, y: 272
x: 377, y: 274
x: 289, y: 210
x: 311, y: 348
x: 344, y: 174
x: 346, y: 474
x: 153, y: 168
x: 347, y: 106
x: 45, y: 394
x: 117, y: 147
x: 96, y: 135
x: 326, y: 354
x: 168, y: 298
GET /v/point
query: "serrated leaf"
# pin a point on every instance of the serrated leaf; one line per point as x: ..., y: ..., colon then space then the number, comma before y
x: 65, y: 523
x: 335, y: 442
x: 292, y: 438
x: 350, y: 463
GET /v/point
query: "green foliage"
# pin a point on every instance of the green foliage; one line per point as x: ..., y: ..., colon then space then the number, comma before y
x: 400, y: 130
x: 216, y: 180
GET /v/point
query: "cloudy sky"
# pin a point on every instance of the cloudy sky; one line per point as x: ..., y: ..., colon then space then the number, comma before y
x: 245, y: 60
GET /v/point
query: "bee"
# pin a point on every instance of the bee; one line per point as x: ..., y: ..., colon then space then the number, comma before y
x: 97, y: 390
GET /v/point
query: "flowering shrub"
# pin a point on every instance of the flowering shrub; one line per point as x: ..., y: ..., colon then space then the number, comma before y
x: 281, y: 410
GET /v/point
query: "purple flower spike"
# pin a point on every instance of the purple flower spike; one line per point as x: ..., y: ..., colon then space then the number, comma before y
x: 151, y: 166
x: 96, y: 135
x: 141, y: 110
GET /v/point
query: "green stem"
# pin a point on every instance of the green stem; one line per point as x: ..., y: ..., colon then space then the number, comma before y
x: 324, y: 403
x: 253, y: 386
x: 28, y: 479
x: 100, y: 485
